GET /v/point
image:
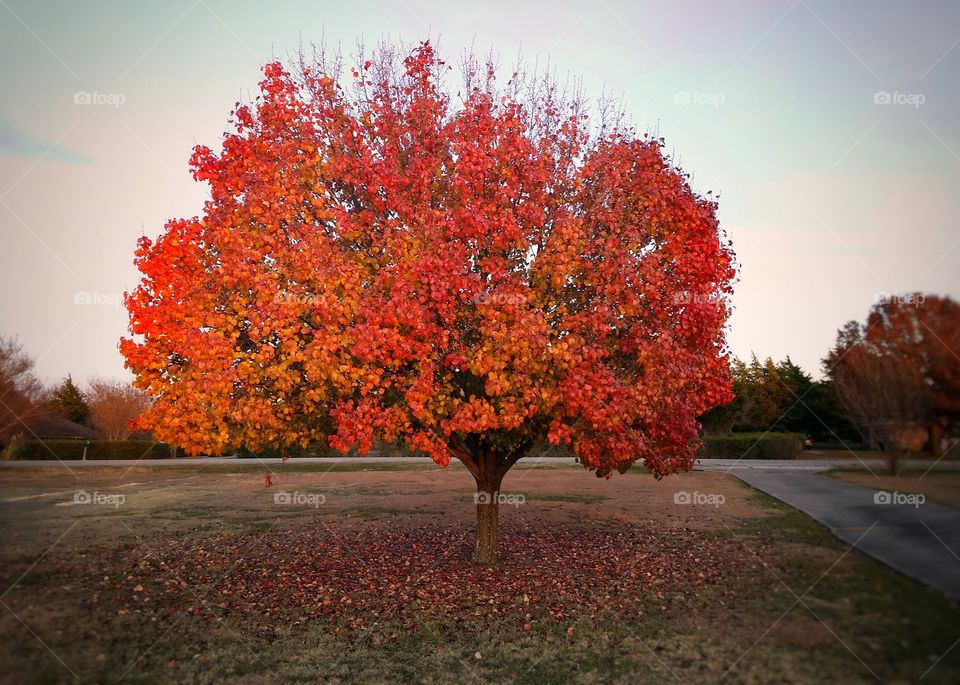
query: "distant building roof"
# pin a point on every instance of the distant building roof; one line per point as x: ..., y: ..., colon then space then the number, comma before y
x: 53, y: 427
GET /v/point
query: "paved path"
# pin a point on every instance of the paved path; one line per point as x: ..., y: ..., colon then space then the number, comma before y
x: 921, y: 541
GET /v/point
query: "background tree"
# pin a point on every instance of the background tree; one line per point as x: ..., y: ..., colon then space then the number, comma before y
x: 21, y: 394
x: 884, y: 393
x: 722, y: 419
x: 923, y: 331
x: 796, y: 386
x: 466, y: 275
x: 114, y: 406
x: 828, y: 420
x: 69, y: 402
x: 764, y: 395
x: 762, y: 398
x: 812, y: 407
x: 780, y: 397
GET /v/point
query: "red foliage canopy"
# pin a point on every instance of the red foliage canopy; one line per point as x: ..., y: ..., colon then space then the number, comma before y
x: 923, y: 332
x: 381, y: 258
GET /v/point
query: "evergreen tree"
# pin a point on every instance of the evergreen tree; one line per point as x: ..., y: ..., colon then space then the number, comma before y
x: 797, y: 415
x: 70, y: 403
x: 780, y: 396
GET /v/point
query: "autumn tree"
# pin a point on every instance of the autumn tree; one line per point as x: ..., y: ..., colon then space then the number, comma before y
x: 114, y: 406
x: 923, y: 332
x: 890, y: 372
x: 21, y: 394
x: 68, y: 401
x: 466, y: 271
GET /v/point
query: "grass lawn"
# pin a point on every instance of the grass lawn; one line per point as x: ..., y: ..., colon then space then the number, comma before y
x: 197, y: 575
x: 867, y: 455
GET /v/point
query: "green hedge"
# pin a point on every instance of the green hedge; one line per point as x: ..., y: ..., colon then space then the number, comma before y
x: 752, y: 446
x: 32, y: 450
x: 273, y: 453
x: 322, y: 449
x: 854, y: 445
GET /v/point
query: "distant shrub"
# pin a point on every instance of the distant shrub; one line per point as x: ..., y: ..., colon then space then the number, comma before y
x: 321, y: 449
x: 752, y: 446
x: 545, y: 449
x: 66, y: 450
x: 854, y: 445
x: 273, y: 453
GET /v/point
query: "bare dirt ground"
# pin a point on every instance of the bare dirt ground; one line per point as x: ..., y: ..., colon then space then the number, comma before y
x: 362, y: 574
x: 942, y: 487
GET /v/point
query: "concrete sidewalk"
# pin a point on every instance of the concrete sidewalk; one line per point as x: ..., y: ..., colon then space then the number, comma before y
x: 921, y: 541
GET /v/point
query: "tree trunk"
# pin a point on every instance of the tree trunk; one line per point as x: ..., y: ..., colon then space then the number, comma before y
x: 488, y: 469
x: 893, y: 462
x: 487, y: 522
x: 487, y: 528
x: 936, y: 434
x: 889, y: 446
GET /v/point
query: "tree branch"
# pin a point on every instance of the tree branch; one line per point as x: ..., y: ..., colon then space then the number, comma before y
x: 461, y: 453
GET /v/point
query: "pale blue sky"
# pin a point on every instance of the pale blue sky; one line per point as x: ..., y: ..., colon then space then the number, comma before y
x: 830, y: 197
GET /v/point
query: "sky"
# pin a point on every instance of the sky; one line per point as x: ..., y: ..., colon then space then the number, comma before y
x: 829, y: 129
